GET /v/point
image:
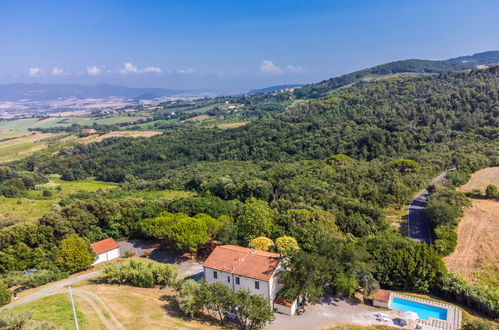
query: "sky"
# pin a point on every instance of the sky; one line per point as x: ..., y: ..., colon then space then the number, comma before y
x: 231, y: 45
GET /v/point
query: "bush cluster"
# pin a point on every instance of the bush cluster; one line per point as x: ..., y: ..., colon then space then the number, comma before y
x: 140, y: 274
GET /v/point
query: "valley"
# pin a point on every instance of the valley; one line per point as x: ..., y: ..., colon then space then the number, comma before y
x: 328, y: 168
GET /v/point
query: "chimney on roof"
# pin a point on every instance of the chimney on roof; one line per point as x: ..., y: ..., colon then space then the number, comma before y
x: 252, y: 251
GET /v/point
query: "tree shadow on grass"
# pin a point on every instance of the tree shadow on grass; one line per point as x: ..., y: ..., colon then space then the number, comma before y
x: 172, y: 308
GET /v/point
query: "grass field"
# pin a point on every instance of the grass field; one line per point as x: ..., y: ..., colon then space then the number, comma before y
x: 34, y: 205
x: 98, y: 138
x: 22, y: 145
x: 476, y: 257
x: 133, y: 308
x: 232, y: 125
x: 482, y: 178
x: 55, y: 309
x: 25, y: 124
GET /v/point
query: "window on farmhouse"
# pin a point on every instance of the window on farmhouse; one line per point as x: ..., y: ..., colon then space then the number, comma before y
x: 215, y: 275
x: 237, y: 280
x: 257, y: 285
x: 228, y: 279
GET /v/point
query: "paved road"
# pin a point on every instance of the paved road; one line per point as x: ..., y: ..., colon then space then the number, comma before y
x: 419, y: 229
x: 50, y: 289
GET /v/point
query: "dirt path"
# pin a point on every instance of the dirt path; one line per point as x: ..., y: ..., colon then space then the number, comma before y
x: 50, y: 289
x: 478, y: 234
x: 100, y: 307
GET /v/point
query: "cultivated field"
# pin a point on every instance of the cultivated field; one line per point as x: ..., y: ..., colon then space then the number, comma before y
x: 232, y: 125
x: 16, y: 146
x: 98, y: 138
x: 482, y: 178
x: 476, y: 257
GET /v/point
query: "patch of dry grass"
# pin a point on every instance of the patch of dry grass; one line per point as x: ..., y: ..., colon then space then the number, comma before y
x: 476, y: 257
x: 98, y: 138
x: 233, y: 125
x: 481, y: 179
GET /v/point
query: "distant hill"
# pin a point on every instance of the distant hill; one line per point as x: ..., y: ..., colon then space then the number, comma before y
x: 45, y: 92
x: 273, y: 88
x: 489, y: 57
x: 404, y: 66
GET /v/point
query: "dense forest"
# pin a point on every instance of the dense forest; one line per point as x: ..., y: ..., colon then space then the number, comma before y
x: 322, y: 172
x: 449, y: 119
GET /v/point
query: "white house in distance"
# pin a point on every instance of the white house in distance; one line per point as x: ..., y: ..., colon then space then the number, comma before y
x: 105, y: 250
x: 243, y: 268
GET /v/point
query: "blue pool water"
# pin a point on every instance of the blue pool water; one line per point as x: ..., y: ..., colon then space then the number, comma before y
x: 423, y: 310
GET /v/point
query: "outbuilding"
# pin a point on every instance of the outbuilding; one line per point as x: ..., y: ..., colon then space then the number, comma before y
x: 382, y: 298
x: 105, y: 250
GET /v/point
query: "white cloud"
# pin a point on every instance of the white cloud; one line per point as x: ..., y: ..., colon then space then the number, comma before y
x: 294, y: 68
x: 94, y: 70
x: 35, y: 72
x: 58, y: 71
x: 129, y: 68
x: 186, y: 71
x: 151, y: 69
x: 267, y: 66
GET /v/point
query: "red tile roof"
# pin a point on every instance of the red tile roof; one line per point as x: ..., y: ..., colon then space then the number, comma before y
x: 284, y: 302
x: 242, y: 261
x: 105, y: 245
x: 382, y: 295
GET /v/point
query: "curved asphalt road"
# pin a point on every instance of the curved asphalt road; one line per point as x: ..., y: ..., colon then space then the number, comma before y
x: 419, y: 229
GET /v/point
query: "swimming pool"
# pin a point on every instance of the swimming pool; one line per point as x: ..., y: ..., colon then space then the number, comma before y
x: 424, y: 311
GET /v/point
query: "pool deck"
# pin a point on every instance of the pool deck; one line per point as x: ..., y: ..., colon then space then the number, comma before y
x: 454, y: 314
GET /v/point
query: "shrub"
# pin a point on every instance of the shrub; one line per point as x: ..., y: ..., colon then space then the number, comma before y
x: 5, y: 294
x: 261, y: 243
x: 482, y: 299
x: 140, y: 274
x: 33, y: 280
x: 477, y: 325
x: 188, y: 299
x: 286, y: 243
x: 491, y: 191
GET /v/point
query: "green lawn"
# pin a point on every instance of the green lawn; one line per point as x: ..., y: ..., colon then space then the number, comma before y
x: 34, y: 205
x: 55, y: 309
x: 25, y: 124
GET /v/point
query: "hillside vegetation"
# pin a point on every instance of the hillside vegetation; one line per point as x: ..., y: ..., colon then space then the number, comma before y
x: 321, y: 171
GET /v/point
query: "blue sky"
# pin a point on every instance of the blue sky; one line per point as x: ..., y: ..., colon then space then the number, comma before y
x: 231, y: 45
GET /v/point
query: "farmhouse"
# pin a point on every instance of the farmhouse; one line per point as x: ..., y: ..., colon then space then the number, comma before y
x: 242, y: 268
x: 105, y: 250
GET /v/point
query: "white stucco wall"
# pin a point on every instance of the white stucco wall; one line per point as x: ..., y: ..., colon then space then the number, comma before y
x: 106, y: 256
x: 285, y: 309
x: 244, y: 282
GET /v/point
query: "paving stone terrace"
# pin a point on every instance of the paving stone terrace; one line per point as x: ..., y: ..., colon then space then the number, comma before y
x: 454, y: 314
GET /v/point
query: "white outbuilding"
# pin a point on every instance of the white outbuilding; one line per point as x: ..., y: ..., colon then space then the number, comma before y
x: 105, y: 250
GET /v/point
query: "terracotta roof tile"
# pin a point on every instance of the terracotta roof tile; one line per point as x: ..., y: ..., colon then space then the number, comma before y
x: 105, y: 245
x: 242, y: 261
x: 382, y: 295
